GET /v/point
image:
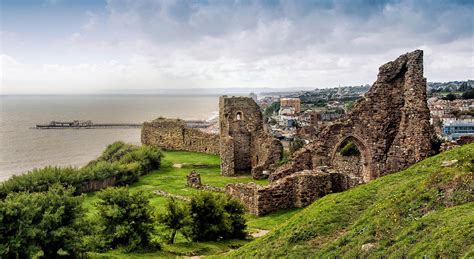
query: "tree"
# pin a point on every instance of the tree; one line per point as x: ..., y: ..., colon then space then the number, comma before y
x: 464, y: 87
x: 273, y: 108
x: 450, y: 97
x: 175, y: 218
x: 215, y: 217
x: 468, y: 95
x: 126, y: 219
x: 48, y: 223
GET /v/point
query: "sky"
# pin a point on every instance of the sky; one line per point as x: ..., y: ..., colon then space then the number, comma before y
x: 94, y: 46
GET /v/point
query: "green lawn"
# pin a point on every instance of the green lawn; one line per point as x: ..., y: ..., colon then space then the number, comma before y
x: 173, y: 180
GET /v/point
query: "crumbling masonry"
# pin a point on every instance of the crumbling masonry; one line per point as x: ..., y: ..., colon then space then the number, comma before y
x: 245, y: 145
x: 173, y: 134
x: 389, y: 126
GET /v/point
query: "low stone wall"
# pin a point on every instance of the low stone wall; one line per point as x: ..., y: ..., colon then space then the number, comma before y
x: 193, y: 180
x: 300, y: 160
x: 92, y: 186
x: 297, y: 190
x: 173, y: 134
x: 245, y: 193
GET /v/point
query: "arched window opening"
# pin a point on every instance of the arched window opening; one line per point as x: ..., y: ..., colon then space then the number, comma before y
x: 239, y: 116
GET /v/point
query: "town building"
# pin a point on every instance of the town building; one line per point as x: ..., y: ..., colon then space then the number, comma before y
x: 294, y: 103
x: 456, y: 129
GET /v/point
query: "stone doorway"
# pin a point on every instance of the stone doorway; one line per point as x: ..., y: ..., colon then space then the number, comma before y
x: 350, y: 156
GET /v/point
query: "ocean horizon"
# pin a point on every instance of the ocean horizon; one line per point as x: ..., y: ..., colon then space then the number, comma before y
x: 23, y: 148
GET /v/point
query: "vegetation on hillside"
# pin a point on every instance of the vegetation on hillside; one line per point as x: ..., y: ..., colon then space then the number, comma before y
x: 42, y: 224
x: 425, y: 210
x: 125, y: 220
x: 270, y: 110
x: 122, y: 161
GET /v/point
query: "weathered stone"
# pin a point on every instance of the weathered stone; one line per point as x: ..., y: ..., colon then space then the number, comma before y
x: 449, y: 163
x: 173, y: 134
x: 296, y: 190
x: 389, y: 127
x: 245, y: 145
x: 194, y: 180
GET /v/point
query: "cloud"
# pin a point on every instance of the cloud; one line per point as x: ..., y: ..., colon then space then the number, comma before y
x: 91, y: 21
x: 178, y: 43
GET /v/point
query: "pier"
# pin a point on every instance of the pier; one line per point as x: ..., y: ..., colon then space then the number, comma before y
x: 77, y: 124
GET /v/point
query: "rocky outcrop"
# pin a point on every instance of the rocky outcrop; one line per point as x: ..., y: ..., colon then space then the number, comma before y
x: 173, y: 134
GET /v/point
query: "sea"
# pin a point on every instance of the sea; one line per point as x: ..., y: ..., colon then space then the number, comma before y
x: 22, y: 147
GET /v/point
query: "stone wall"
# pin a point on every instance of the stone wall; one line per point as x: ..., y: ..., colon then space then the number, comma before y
x: 173, y: 134
x: 297, y: 190
x: 95, y: 185
x: 389, y: 126
x: 245, y: 145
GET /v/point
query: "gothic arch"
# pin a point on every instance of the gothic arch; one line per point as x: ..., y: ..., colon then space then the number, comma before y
x: 366, y: 169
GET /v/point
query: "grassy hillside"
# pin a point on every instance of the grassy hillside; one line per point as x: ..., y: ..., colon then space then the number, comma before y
x: 427, y: 209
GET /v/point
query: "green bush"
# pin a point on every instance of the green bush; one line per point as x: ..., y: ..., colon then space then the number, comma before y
x: 43, y: 223
x: 349, y: 149
x: 296, y: 144
x: 215, y: 217
x: 176, y: 218
x: 123, y: 161
x: 126, y: 219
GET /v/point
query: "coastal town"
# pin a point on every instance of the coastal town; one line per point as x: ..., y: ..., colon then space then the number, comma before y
x: 300, y: 115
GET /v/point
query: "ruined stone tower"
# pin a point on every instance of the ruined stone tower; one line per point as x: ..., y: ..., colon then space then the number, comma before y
x: 389, y: 127
x: 245, y: 146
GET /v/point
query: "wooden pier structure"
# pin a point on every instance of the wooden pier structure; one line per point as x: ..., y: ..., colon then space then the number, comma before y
x: 77, y: 124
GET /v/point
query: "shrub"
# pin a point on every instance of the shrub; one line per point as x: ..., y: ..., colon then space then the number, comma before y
x: 450, y: 97
x: 123, y: 161
x: 296, y: 144
x: 468, y: 94
x: 45, y: 223
x: 215, y: 217
x: 349, y: 149
x: 126, y: 219
x: 175, y: 218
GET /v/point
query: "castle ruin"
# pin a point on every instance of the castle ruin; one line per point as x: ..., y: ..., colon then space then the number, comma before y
x: 245, y: 145
x: 174, y: 134
x: 389, y: 129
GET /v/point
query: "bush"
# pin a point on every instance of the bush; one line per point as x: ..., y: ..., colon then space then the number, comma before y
x: 296, y: 144
x: 125, y: 219
x: 123, y: 161
x: 349, y: 149
x: 468, y: 94
x: 48, y: 223
x: 175, y: 218
x: 450, y: 97
x: 215, y: 217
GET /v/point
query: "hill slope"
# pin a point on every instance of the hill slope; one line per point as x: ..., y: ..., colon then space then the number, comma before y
x: 427, y: 209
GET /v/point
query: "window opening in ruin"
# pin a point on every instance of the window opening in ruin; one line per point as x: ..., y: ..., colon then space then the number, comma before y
x: 239, y: 116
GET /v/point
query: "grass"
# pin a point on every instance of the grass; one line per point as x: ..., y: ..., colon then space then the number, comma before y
x: 425, y: 210
x: 173, y: 180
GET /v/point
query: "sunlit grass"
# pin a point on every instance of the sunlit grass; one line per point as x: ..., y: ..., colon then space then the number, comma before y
x: 171, y: 179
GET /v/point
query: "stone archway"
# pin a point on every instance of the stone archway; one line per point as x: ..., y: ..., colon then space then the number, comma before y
x: 352, y: 157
